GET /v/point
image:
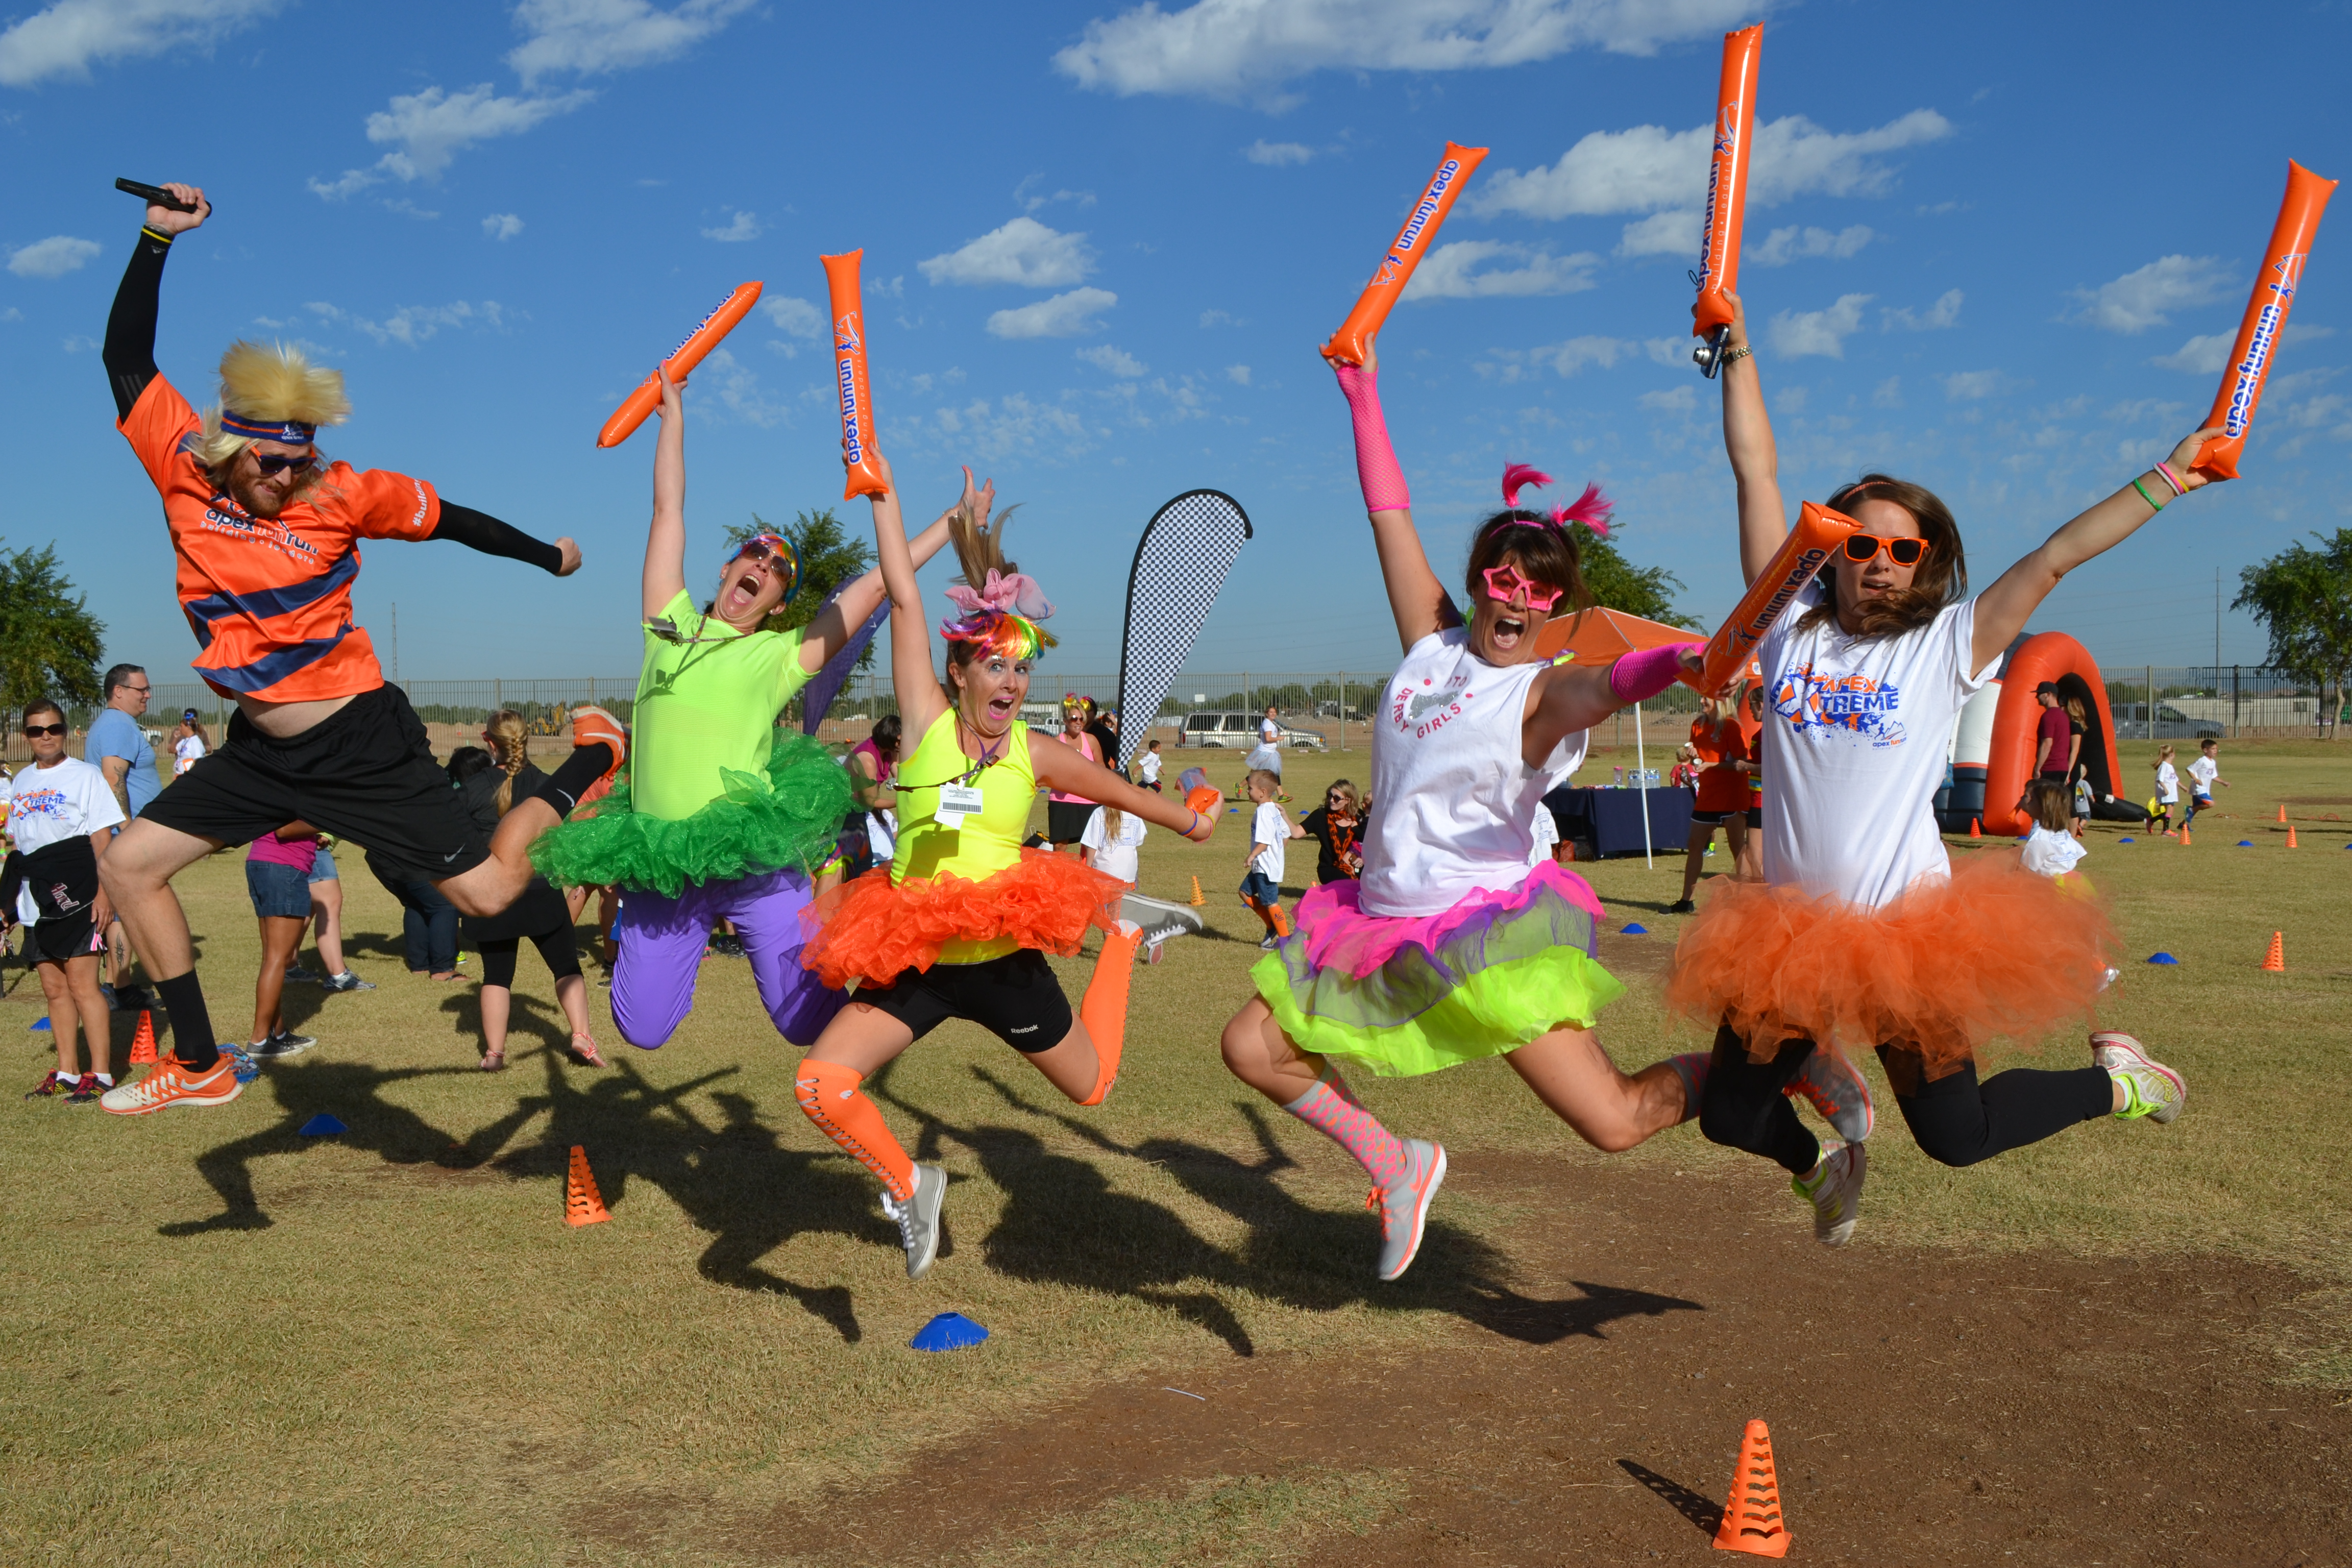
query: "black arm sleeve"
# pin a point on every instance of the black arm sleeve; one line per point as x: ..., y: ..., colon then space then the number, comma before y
x: 129, y: 351
x: 480, y: 530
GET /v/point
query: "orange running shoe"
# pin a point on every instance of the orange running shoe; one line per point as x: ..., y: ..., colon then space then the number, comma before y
x: 592, y: 724
x: 170, y: 1084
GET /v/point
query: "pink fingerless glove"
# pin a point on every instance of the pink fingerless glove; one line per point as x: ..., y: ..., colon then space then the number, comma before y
x: 1376, y: 464
x: 1644, y: 673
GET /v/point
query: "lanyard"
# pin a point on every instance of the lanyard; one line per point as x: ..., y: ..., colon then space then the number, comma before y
x: 989, y: 757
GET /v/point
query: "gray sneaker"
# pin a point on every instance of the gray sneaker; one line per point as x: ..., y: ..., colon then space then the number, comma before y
x: 1832, y: 1086
x: 1834, y: 1189
x: 1404, y: 1205
x: 2150, y: 1089
x: 295, y: 975
x: 347, y: 981
x: 281, y: 1045
x: 919, y: 1218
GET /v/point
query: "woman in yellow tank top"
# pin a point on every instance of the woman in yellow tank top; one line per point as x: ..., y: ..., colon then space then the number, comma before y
x: 959, y: 924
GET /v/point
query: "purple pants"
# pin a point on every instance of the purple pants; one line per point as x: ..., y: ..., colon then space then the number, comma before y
x: 662, y: 940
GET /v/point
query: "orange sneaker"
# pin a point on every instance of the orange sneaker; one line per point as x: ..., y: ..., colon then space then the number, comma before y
x: 170, y: 1084
x: 592, y: 724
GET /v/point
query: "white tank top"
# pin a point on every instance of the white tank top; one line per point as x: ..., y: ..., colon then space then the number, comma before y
x: 1453, y: 803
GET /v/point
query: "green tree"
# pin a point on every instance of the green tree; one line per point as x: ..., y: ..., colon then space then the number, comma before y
x: 830, y: 557
x: 1616, y: 584
x: 50, y: 645
x: 2304, y: 598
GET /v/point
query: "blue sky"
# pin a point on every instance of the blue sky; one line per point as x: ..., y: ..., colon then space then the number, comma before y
x: 2000, y: 250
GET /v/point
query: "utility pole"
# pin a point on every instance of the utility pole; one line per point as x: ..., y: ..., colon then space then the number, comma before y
x: 2217, y: 624
x: 395, y: 642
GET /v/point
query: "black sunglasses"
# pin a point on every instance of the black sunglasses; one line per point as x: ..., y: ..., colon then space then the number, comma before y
x: 38, y: 730
x: 1863, y: 547
x: 273, y: 464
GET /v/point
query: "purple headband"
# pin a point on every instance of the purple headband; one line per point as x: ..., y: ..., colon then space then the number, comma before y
x: 290, y: 432
x: 1591, y: 509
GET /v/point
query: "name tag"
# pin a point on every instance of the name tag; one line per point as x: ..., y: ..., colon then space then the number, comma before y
x: 957, y: 802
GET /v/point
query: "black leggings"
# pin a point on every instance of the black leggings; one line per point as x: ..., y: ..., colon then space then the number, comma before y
x: 1955, y: 1119
x: 557, y: 947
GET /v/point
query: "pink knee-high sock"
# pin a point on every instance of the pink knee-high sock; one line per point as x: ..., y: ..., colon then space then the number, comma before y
x: 1332, y: 1109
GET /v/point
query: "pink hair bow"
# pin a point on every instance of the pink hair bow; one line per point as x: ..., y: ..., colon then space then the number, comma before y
x: 1018, y: 594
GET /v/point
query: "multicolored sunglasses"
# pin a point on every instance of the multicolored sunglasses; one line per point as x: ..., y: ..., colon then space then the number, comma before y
x: 1505, y: 581
x: 777, y: 553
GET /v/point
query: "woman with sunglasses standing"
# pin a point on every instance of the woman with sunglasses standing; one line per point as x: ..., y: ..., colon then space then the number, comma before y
x: 1863, y: 931
x: 62, y: 815
x: 1452, y: 947
x: 722, y: 813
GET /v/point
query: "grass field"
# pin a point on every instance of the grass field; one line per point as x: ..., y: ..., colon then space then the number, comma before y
x: 235, y: 1345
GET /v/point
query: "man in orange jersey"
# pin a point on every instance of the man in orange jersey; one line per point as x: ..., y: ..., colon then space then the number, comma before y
x: 266, y: 533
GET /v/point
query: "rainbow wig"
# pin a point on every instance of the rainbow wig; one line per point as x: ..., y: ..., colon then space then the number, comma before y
x: 993, y: 631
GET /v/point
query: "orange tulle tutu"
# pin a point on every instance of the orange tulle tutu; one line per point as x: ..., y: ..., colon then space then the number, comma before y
x: 870, y: 932
x: 1996, y: 951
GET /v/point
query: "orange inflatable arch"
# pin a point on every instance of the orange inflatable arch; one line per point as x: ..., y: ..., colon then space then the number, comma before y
x: 2057, y: 657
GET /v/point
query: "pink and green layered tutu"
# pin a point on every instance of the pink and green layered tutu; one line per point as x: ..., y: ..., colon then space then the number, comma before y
x: 1402, y: 996
x: 787, y: 819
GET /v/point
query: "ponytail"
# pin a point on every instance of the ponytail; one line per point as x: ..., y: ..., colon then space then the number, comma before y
x: 509, y: 748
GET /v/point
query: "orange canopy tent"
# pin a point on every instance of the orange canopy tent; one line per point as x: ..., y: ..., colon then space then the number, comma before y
x: 1600, y: 635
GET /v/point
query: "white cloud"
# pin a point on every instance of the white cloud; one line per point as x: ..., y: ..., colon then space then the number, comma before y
x: 1219, y: 319
x: 433, y: 127
x: 1889, y: 393
x: 2145, y: 297
x: 2209, y: 352
x: 61, y: 40
x: 1680, y: 400
x: 1063, y: 316
x: 737, y: 387
x: 1275, y: 155
x: 412, y: 324
x: 1015, y: 426
x: 1247, y: 48
x: 1944, y: 312
x: 1118, y: 362
x: 1451, y: 272
x: 1239, y: 375
x: 13, y: 314
x: 1650, y: 168
x: 1023, y: 251
x: 797, y: 317
x: 1823, y: 333
x: 502, y: 226
x: 1566, y: 359
x: 746, y: 227
x: 1970, y: 386
x: 52, y: 258
x: 1671, y: 233
x: 593, y: 36
x: 1783, y: 245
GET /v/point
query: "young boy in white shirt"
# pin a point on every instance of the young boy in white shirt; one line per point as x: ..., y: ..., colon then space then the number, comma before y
x: 2203, y: 774
x: 1270, y: 829
x: 1147, y: 768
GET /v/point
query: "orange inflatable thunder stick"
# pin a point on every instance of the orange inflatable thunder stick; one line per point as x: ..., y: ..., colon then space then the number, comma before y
x: 1352, y: 342
x: 706, y: 336
x: 1809, y: 547
x: 850, y: 370
x: 1726, y: 193
x: 2258, y: 334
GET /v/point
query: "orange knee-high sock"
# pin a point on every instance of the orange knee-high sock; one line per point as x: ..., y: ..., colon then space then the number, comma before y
x: 1104, y: 1010
x: 830, y: 1097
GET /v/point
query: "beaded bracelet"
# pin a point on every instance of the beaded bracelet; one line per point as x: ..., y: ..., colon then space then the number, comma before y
x: 2164, y: 471
x: 2154, y: 503
x: 1742, y: 352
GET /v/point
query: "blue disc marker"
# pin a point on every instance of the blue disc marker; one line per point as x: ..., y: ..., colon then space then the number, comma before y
x: 1631, y: 928
x: 2162, y: 958
x: 948, y: 1331
x: 322, y: 1125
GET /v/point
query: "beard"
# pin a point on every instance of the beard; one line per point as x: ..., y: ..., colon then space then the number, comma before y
x: 263, y: 500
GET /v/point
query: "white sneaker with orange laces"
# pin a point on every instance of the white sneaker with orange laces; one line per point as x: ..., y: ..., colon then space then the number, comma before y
x: 170, y: 1084
x: 1405, y: 1207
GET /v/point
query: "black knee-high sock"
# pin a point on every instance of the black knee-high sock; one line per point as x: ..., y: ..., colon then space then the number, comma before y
x: 192, y: 1026
x: 582, y: 768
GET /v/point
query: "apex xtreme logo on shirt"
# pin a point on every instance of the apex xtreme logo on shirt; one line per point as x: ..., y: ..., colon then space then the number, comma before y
x: 1853, y: 704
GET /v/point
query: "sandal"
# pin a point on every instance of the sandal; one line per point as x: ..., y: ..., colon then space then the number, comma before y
x: 584, y: 1051
x: 495, y: 1061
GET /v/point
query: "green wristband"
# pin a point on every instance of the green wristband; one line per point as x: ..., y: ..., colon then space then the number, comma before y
x: 2153, y: 503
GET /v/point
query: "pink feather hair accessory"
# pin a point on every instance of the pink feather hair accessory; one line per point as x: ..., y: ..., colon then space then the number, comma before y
x: 1516, y: 476
x: 1591, y: 509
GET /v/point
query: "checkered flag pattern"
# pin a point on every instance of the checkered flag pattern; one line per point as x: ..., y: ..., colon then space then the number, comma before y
x: 1180, y: 563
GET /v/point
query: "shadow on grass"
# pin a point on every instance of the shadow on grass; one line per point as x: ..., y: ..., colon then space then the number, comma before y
x: 1063, y: 1224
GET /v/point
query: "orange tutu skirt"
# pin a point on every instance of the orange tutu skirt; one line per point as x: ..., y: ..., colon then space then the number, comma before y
x: 870, y: 932
x: 1994, y: 951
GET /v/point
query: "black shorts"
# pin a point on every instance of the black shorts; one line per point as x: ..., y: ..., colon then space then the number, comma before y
x: 366, y: 774
x: 1065, y: 820
x: 64, y: 879
x: 1756, y: 817
x: 1015, y: 998
x: 1719, y: 818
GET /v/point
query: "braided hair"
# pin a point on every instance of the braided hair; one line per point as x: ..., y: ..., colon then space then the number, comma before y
x: 509, y: 749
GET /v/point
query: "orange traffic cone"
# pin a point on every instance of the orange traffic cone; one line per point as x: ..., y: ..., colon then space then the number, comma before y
x: 2184, y: 838
x: 2282, y: 811
x: 1751, y: 1519
x: 142, y: 1044
x: 581, y: 1205
x: 1976, y: 827
x: 2275, y: 959
x: 1197, y: 899
x: 2289, y: 838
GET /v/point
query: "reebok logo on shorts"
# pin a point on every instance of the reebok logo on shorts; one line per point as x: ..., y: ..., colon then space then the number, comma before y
x: 1023, y: 1030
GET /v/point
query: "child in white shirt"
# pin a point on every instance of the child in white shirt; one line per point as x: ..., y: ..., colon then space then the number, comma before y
x: 2051, y: 850
x: 2167, y: 791
x: 2203, y: 774
x: 1109, y: 843
x: 1270, y: 829
x: 1147, y: 768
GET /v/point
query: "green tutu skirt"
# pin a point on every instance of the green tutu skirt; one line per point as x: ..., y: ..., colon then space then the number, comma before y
x: 789, y: 818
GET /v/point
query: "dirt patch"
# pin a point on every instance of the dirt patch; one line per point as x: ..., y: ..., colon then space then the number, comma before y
x: 1926, y: 1406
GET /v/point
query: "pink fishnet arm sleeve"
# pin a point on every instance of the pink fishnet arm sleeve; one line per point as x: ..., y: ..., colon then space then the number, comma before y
x: 1640, y: 675
x: 1376, y: 464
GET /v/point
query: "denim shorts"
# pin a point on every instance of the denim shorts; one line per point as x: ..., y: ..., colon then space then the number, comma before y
x: 280, y: 892
x: 322, y: 870
x: 1259, y: 886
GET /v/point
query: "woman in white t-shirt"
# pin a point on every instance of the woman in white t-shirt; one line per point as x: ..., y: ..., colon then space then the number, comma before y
x: 1864, y: 933
x: 62, y: 812
x: 1450, y: 947
x: 188, y: 745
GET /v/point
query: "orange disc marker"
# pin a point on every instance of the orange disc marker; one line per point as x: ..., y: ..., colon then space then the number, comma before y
x: 1354, y: 340
x: 2265, y: 321
x: 1727, y: 190
x: 1809, y: 547
x: 706, y: 336
x: 850, y: 370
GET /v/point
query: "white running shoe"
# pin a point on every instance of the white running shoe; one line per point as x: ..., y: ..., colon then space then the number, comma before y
x: 1831, y: 1085
x: 168, y: 1084
x: 1834, y: 1189
x: 1404, y: 1207
x: 918, y: 1218
x: 2150, y: 1089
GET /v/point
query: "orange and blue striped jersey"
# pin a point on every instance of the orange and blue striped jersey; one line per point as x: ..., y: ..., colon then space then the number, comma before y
x: 270, y: 599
